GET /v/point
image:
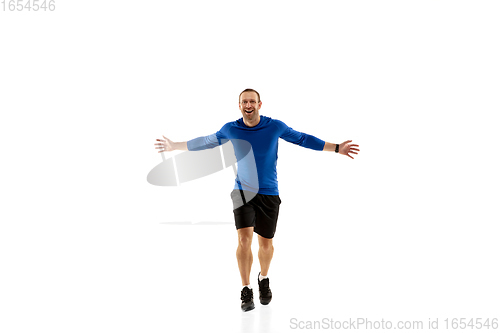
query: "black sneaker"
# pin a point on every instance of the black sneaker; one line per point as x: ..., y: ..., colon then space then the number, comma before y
x: 247, y: 299
x: 265, y: 292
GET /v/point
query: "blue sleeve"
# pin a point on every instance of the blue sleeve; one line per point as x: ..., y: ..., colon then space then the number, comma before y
x: 209, y: 141
x: 299, y: 138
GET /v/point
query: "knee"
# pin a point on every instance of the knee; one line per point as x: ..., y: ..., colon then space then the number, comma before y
x: 245, y: 242
x: 266, y: 247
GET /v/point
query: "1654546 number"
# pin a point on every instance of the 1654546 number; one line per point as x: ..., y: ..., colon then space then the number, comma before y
x: 28, y: 5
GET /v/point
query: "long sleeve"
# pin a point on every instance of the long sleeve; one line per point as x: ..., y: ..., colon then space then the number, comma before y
x: 299, y: 138
x: 203, y: 142
x: 209, y: 141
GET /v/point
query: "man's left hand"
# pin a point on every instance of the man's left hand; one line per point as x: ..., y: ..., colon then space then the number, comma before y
x: 345, y: 148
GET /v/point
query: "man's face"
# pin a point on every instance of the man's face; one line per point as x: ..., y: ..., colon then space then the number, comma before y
x: 249, y: 106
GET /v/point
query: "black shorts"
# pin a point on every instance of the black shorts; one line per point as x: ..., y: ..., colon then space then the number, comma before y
x: 261, y: 212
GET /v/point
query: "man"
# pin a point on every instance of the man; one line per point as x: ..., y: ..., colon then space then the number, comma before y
x: 259, y: 213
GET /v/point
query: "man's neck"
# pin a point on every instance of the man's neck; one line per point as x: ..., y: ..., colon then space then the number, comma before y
x: 252, y: 123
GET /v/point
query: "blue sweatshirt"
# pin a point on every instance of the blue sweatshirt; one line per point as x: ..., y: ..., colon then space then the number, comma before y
x: 263, y: 140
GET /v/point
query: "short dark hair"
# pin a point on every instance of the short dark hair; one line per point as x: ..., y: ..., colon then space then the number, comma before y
x: 248, y: 89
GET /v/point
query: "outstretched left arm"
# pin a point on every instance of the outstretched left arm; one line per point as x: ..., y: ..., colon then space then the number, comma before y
x: 344, y: 148
x: 312, y: 142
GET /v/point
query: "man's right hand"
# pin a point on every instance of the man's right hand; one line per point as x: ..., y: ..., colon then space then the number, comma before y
x: 165, y: 145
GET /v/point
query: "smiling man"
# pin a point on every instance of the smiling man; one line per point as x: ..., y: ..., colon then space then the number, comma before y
x: 260, y: 213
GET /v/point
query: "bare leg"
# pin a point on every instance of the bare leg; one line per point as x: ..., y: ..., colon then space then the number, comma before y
x: 266, y: 251
x: 244, y: 253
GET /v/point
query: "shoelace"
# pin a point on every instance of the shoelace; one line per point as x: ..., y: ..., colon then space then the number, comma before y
x: 264, y: 287
x: 246, y: 295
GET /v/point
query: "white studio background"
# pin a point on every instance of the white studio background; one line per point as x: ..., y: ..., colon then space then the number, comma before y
x: 408, y: 230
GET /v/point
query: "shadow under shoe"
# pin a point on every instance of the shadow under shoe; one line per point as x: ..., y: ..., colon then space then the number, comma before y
x: 247, y: 299
x: 264, y: 290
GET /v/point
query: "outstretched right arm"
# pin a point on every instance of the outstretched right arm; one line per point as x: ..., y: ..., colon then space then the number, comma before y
x: 168, y: 145
x: 201, y: 143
